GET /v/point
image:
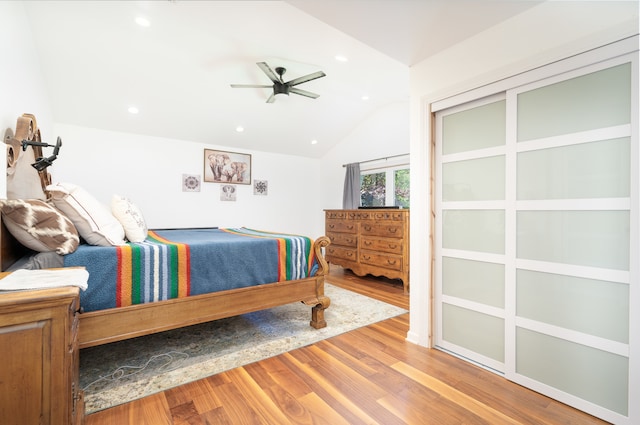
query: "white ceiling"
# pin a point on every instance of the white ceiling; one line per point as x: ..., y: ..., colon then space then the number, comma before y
x: 97, y: 62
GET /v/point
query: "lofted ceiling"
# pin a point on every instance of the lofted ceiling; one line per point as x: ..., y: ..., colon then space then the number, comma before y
x: 97, y: 62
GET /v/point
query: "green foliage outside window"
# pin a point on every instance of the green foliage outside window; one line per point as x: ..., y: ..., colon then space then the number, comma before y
x: 373, y: 188
x: 402, y: 188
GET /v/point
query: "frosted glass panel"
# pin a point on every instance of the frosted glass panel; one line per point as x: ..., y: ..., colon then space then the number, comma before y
x: 476, y: 128
x: 474, y: 331
x: 473, y: 280
x: 473, y: 230
x: 473, y: 180
x: 589, y: 306
x: 586, y: 238
x: 596, y: 100
x: 588, y: 373
x: 589, y: 170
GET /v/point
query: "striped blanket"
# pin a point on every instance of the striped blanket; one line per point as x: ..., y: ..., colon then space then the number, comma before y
x: 178, y: 263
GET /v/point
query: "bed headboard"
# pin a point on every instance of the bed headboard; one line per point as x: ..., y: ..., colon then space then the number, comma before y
x: 23, y: 180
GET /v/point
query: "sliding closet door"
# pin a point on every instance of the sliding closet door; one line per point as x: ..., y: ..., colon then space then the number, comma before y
x: 536, y: 234
x: 470, y: 222
x: 573, y: 206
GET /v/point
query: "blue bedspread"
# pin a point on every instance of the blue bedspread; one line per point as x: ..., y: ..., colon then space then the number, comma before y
x: 178, y: 263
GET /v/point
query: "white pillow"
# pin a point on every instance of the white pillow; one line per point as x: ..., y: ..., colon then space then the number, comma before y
x: 130, y: 217
x: 94, y: 222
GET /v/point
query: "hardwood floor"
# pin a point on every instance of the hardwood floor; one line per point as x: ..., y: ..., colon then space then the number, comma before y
x: 367, y: 376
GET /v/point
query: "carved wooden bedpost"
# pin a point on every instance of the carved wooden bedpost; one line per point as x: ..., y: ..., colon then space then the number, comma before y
x: 322, y: 302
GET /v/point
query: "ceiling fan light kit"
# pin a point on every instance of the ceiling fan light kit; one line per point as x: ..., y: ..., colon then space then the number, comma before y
x: 280, y: 86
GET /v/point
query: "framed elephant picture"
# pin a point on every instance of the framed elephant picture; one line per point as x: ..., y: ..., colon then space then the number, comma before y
x: 227, y: 167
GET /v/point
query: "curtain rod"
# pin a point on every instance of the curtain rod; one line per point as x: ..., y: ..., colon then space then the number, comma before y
x: 379, y: 159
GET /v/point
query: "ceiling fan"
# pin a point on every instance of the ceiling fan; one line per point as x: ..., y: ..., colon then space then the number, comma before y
x: 280, y: 86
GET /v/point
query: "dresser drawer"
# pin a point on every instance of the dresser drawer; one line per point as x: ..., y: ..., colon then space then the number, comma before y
x: 344, y: 239
x: 393, y: 246
x: 336, y: 214
x: 386, y: 261
x: 391, y: 230
x: 341, y: 227
x: 342, y: 253
x: 394, y: 215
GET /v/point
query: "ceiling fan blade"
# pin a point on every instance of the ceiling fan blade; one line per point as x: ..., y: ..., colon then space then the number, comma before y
x: 267, y: 70
x: 246, y: 86
x: 272, y: 98
x: 305, y: 78
x: 303, y: 93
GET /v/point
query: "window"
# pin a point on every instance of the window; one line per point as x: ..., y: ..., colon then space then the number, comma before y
x: 385, y: 188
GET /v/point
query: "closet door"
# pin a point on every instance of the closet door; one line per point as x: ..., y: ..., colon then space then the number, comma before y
x: 470, y: 229
x: 536, y: 239
x: 573, y: 237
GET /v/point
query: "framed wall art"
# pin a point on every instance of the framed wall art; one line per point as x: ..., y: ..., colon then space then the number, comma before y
x: 260, y: 187
x: 227, y: 167
x: 190, y: 183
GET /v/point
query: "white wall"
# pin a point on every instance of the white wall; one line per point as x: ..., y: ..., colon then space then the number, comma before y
x: 541, y: 35
x: 149, y: 170
x: 22, y: 87
x: 384, y: 133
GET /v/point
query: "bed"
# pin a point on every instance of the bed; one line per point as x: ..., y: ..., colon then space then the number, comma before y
x: 255, y: 266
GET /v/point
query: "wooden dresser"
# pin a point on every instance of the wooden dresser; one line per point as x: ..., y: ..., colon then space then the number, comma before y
x: 39, y: 365
x: 370, y: 241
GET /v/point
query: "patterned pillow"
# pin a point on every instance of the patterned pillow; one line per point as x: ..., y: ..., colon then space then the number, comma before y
x: 94, y: 221
x: 131, y: 218
x: 39, y: 226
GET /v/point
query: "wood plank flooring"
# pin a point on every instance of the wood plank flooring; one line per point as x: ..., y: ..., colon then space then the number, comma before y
x: 367, y: 376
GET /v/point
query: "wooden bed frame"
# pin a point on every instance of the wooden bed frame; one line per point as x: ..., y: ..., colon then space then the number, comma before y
x: 116, y: 324
x: 105, y: 326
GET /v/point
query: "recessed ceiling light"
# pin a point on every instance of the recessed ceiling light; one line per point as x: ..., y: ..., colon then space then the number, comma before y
x: 314, y: 142
x: 365, y: 97
x: 239, y: 129
x: 143, y: 22
x: 341, y: 58
x: 133, y: 110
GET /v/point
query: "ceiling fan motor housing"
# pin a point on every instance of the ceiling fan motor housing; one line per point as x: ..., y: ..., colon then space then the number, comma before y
x: 279, y: 88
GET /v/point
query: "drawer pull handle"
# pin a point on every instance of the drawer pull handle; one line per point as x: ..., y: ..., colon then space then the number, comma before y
x: 393, y: 246
x: 350, y: 227
x: 391, y: 262
x: 331, y: 226
x: 366, y: 257
x: 367, y: 228
x: 392, y: 229
x: 367, y: 243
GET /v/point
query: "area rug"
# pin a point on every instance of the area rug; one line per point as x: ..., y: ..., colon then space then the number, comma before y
x: 123, y: 371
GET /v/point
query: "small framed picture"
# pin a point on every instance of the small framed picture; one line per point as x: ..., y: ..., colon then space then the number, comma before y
x: 190, y: 183
x: 228, y: 192
x: 260, y: 187
x: 227, y: 167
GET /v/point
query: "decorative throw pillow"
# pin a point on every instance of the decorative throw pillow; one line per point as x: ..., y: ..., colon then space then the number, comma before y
x: 94, y: 222
x: 39, y: 226
x: 131, y: 218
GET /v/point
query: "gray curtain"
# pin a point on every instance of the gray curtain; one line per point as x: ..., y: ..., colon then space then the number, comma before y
x: 351, y: 194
